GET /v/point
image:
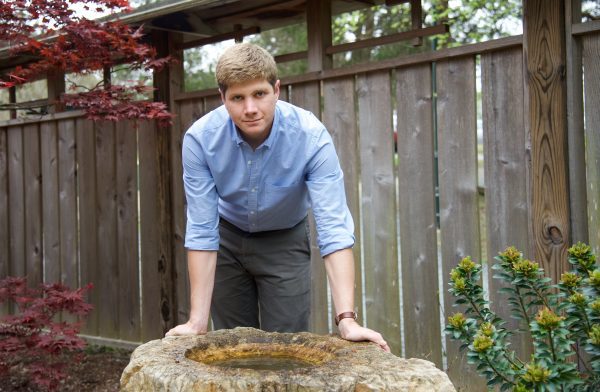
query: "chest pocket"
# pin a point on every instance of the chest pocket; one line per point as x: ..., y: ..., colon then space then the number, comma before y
x: 292, y: 194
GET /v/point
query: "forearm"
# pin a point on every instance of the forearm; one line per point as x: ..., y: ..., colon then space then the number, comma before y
x: 340, y: 273
x: 201, y: 269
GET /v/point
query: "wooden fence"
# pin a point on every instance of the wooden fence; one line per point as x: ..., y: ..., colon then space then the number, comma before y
x: 97, y: 202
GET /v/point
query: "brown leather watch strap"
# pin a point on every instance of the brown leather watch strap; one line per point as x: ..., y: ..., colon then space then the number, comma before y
x: 344, y: 315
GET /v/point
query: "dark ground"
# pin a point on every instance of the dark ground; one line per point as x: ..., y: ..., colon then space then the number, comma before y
x: 98, y: 370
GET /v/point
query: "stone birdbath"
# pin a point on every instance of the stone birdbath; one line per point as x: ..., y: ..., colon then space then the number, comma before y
x: 248, y: 359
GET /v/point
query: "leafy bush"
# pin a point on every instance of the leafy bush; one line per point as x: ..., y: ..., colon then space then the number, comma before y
x: 560, y: 318
x: 33, y: 339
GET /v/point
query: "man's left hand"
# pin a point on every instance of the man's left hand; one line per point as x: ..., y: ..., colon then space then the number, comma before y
x: 351, y: 330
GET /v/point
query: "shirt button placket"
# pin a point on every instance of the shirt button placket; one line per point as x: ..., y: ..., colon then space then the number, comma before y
x: 253, y: 169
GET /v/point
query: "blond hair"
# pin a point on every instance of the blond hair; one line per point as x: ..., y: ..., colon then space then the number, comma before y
x: 244, y: 62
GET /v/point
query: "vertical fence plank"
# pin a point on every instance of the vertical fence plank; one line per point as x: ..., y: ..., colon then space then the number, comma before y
x: 211, y: 103
x: 306, y: 96
x: 151, y: 266
x: 157, y: 286
x: 50, y: 190
x: 88, y: 230
x: 379, y: 206
x: 179, y: 210
x: 459, y: 216
x: 591, y: 53
x: 576, y: 142
x: 108, y: 271
x: 341, y: 122
x: 4, y: 211
x: 190, y: 111
x: 284, y: 93
x: 16, y: 210
x: 506, y: 168
x: 127, y: 225
x: 68, y: 203
x: 418, y: 231
x: 33, y: 204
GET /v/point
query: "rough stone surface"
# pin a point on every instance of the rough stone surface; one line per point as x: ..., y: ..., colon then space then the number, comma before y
x: 184, y: 364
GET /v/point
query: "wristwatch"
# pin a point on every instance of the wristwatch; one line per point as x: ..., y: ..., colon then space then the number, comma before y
x: 344, y: 315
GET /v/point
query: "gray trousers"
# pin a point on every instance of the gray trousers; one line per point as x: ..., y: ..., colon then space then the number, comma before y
x: 262, y: 279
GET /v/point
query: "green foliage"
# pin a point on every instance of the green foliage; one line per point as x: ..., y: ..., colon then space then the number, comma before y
x: 559, y: 318
x: 474, y: 20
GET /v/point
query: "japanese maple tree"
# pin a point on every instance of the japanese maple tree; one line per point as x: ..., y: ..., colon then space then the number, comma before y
x: 58, y: 38
x: 34, y: 337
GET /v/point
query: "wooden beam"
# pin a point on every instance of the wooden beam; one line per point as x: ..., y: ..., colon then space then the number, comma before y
x: 319, y: 34
x: 586, y: 28
x: 390, y: 3
x: 192, y: 33
x: 283, y: 58
x: 236, y: 29
x: 236, y: 15
x: 237, y: 34
x: 388, y: 39
x: 416, y: 16
x: 12, y: 98
x: 544, y: 56
x: 56, y: 88
x: 106, y: 77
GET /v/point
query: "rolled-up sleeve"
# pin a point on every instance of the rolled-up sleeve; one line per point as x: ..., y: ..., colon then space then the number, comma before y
x: 325, y: 182
x: 202, y: 231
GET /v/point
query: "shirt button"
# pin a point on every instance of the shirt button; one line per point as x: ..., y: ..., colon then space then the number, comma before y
x: 253, y: 189
x: 251, y: 212
x: 249, y: 162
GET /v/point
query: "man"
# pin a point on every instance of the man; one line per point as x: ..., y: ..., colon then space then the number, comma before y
x: 251, y: 170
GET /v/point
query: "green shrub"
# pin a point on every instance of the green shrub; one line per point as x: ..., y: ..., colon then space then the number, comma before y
x: 558, y: 317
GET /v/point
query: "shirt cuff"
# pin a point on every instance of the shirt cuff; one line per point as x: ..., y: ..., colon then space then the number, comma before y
x: 201, y: 241
x: 334, y: 246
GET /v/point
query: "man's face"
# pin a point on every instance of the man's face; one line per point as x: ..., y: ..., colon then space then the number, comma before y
x: 251, y: 106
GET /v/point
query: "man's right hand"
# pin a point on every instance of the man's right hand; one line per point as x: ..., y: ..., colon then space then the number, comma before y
x: 188, y: 328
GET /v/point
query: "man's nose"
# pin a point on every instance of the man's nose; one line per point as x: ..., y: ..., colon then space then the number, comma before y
x: 250, y: 106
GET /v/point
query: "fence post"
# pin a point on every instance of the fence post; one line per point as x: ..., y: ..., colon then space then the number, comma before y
x: 544, y: 57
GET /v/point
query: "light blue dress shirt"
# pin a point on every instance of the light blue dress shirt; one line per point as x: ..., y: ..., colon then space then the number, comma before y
x: 269, y: 188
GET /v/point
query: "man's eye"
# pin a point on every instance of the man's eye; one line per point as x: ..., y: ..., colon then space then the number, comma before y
x: 236, y: 98
x: 260, y: 93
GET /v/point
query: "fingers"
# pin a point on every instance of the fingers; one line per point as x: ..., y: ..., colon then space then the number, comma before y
x: 176, y: 331
x: 357, y: 333
x: 378, y: 340
x: 182, y: 330
x: 384, y: 346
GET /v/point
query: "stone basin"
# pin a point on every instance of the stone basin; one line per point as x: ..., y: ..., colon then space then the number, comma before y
x: 248, y: 359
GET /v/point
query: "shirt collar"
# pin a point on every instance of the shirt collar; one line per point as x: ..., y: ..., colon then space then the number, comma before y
x: 274, y: 130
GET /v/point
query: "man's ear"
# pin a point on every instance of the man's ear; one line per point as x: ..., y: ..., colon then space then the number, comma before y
x: 222, y: 96
x: 277, y: 88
